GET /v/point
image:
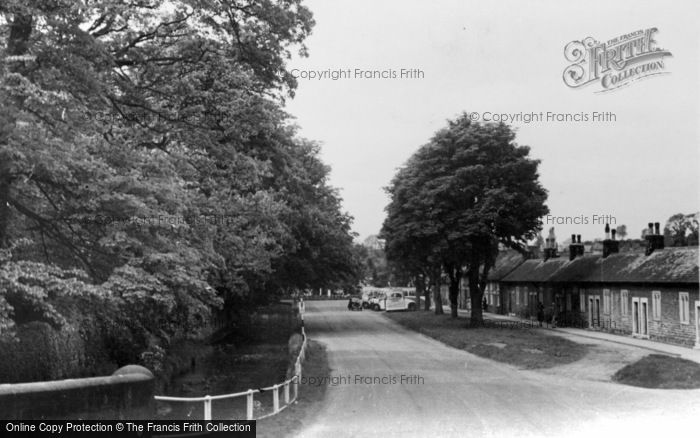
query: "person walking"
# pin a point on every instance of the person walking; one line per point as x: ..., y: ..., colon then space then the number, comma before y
x: 540, y: 312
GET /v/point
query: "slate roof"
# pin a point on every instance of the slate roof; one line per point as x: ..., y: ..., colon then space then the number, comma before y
x: 535, y: 271
x: 670, y: 265
x: 506, y: 262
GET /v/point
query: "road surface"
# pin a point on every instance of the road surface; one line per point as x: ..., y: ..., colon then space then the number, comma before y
x: 447, y: 392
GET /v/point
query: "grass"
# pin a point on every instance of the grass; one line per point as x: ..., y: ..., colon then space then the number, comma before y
x: 528, y: 348
x: 660, y: 371
x: 309, y: 402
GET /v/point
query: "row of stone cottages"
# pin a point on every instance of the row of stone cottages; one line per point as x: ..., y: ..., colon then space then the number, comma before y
x: 651, y: 293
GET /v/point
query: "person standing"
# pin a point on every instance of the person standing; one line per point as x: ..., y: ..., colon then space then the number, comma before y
x: 540, y: 312
x: 554, y: 315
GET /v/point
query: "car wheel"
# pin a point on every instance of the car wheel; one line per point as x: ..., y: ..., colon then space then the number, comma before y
x: 375, y: 307
x: 411, y: 307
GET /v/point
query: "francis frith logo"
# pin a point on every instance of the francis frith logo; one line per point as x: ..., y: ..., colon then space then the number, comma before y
x: 614, y: 63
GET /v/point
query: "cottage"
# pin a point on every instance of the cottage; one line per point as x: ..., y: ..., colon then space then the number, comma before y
x: 652, y: 295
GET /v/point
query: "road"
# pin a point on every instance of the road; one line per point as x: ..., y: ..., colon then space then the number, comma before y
x: 454, y: 393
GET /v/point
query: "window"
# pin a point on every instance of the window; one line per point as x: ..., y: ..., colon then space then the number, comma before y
x: 624, y: 300
x: 517, y: 295
x: 684, y: 307
x: 606, y: 301
x: 656, y: 305
x: 582, y: 301
x: 568, y: 302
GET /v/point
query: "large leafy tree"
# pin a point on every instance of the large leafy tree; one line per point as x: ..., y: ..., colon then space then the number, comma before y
x: 145, y: 144
x: 681, y: 230
x: 408, y: 243
x: 468, y: 190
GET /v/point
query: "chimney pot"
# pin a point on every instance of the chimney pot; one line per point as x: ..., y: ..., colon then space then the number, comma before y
x: 613, y: 233
x: 573, y: 238
x: 651, y: 228
x: 578, y: 238
x: 657, y: 227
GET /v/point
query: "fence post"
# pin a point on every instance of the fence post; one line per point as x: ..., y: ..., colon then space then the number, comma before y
x: 276, y: 398
x: 207, y: 408
x: 286, y: 393
x: 296, y: 386
x: 249, y: 405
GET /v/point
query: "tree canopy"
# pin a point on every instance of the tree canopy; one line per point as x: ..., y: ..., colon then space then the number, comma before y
x: 146, y: 159
x: 457, y: 198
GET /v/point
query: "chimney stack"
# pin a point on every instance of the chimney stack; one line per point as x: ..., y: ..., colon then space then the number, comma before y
x: 610, y: 246
x: 550, y: 250
x: 655, y: 240
x: 576, y: 248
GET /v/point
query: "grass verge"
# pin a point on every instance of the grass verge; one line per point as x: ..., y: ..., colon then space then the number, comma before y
x: 660, y: 371
x: 310, y: 399
x: 528, y: 348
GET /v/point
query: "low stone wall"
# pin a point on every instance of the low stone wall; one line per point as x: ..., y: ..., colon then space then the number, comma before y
x: 126, y: 394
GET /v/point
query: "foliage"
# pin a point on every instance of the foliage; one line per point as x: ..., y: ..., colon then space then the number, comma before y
x: 460, y: 196
x: 148, y: 169
x: 681, y: 230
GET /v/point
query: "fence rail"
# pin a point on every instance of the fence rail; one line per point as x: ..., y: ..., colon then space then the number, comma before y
x: 287, y: 398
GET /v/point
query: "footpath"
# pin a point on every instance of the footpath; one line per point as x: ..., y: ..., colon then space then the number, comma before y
x: 600, y: 337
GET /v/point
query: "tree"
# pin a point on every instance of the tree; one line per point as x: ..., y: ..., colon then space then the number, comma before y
x: 621, y: 231
x: 145, y: 154
x: 469, y: 189
x: 681, y: 230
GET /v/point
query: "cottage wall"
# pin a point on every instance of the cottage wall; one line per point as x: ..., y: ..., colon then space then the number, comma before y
x: 663, y: 326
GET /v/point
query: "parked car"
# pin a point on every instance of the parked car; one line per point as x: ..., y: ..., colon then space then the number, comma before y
x: 367, y: 298
x: 395, y: 300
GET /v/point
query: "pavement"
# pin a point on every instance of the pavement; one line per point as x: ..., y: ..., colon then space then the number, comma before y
x: 600, y: 336
x: 388, y: 381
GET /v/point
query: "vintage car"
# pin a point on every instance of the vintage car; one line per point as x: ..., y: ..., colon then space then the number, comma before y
x: 394, y: 300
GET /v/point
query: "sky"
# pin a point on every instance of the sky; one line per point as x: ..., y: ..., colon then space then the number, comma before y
x: 637, y: 164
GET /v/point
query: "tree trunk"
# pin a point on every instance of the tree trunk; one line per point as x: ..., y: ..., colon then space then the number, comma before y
x: 455, y: 275
x: 422, y: 290
x: 476, y: 293
x: 436, y: 294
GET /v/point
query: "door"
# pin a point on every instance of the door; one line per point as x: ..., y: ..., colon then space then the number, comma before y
x: 640, y: 317
x: 644, y: 318
x: 394, y: 301
x: 594, y: 311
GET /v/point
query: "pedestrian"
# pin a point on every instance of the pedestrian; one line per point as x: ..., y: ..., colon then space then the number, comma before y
x: 540, y: 312
x: 350, y: 304
x: 485, y: 305
x: 554, y: 315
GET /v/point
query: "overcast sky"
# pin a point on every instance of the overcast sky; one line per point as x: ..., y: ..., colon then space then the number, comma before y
x: 507, y: 57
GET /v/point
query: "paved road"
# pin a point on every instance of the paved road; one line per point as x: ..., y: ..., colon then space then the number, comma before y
x: 459, y: 394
